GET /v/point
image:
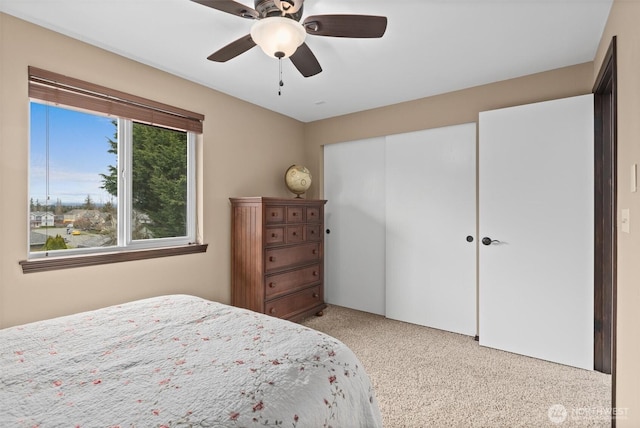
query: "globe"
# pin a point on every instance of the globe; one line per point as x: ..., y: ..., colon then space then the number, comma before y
x: 298, y: 179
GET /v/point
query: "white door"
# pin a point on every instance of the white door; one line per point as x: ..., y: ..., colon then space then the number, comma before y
x: 354, y: 216
x: 536, y: 199
x: 430, y: 212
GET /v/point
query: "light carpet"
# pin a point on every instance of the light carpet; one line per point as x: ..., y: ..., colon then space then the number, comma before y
x: 425, y: 377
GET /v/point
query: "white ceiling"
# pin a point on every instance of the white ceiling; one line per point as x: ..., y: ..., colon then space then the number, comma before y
x: 430, y: 47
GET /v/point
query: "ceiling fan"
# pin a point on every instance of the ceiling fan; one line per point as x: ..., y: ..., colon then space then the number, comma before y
x: 280, y: 34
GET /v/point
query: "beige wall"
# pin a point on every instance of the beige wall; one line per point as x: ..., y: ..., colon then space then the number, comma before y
x: 452, y: 108
x: 624, y: 23
x: 228, y: 146
x: 235, y: 159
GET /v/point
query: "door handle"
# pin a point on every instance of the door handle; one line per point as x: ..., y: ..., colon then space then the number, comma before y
x: 488, y: 241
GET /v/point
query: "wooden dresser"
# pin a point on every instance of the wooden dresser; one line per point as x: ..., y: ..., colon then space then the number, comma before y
x: 277, y: 256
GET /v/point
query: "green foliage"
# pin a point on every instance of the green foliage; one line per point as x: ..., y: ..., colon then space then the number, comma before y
x: 159, y: 181
x: 55, y: 243
x: 35, y: 206
x: 88, y: 203
x: 110, y: 181
x: 59, y: 210
x: 108, y: 208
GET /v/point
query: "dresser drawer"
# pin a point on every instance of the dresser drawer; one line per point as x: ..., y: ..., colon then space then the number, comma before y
x: 300, y: 301
x: 295, y: 234
x: 313, y: 214
x: 312, y: 232
x: 274, y: 235
x: 278, y: 258
x: 283, y: 283
x: 295, y: 214
x: 274, y: 214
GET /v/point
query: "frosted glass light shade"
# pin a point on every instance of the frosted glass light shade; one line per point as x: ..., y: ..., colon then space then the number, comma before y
x: 278, y: 34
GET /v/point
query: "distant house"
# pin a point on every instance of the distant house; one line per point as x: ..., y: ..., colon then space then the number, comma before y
x: 86, y: 219
x: 41, y: 219
x: 71, y: 216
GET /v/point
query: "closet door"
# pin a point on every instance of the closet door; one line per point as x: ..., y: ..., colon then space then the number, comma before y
x: 431, y: 223
x: 354, y: 218
x: 536, y: 216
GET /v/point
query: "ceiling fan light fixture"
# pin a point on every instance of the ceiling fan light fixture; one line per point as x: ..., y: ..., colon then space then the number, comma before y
x: 278, y: 36
x: 288, y: 6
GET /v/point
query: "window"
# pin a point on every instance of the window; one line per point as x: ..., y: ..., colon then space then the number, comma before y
x: 103, y: 182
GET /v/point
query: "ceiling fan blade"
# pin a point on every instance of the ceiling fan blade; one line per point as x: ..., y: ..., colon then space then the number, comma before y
x: 231, y: 7
x: 305, y: 61
x: 356, y: 26
x: 233, y: 49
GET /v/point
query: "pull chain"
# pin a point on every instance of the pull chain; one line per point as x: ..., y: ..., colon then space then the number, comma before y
x: 280, y: 83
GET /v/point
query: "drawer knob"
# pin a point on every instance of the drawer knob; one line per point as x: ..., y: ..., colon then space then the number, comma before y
x: 272, y: 311
x: 274, y: 235
x: 315, y: 295
x: 272, y: 259
x: 272, y: 285
x: 314, y: 251
x: 295, y: 233
x: 315, y: 273
x: 273, y: 214
x: 295, y: 214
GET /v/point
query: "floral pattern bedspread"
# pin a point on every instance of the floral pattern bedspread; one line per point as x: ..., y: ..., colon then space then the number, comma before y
x: 179, y: 361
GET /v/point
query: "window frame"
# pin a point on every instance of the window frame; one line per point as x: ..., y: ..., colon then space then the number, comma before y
x: 53, y: 89
x: 125, y: 193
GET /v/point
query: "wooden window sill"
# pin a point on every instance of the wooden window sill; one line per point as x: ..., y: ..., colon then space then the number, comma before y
x: 57, y: 263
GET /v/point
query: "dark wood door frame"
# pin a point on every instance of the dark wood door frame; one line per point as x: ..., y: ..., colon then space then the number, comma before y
x: 605, y: 175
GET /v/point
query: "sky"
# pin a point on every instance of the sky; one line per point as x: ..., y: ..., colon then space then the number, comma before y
x: 78, y: 145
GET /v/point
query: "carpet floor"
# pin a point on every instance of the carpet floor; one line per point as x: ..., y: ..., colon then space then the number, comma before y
x: 425, y: 377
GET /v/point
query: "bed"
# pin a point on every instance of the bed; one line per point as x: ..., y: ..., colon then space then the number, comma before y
x: 179, y: 361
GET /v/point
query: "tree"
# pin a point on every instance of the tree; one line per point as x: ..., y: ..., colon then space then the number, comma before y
x: 109, y: 227
x: 159, y: 181
x: 108, y: 208
x: 55, y: 243
x: 88, y: 203
x: 110, y: 181
x: 82, y: 223
x: 37, y: 206
x: 59, y: 209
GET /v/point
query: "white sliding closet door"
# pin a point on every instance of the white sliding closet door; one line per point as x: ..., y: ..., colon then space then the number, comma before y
x: 536, y: 199
x: 430, y: 211
x: 354, y: 215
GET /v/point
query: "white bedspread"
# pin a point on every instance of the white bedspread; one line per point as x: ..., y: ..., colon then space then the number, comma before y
x: 179, y: 361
